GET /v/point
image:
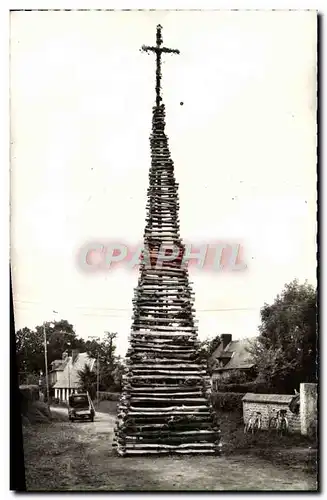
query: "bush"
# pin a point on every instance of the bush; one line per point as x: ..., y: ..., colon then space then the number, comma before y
x: 255, y: 387
x: 109, y: 396
x: 107, y: 406
x: 36, y: 412
x: 237, y: 377
x: 227, y: 401
x: 30, y: 392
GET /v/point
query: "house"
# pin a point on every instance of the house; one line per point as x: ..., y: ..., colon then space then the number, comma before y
x: 56, y: 366
x: 231, y: 355
x: 63, y: 376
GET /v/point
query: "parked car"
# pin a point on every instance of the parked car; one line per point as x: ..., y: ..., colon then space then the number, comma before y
x: 80, y: 407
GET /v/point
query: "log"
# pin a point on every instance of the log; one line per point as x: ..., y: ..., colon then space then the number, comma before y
x: 155, y: 366
x: 168, y: 399
x: 159, y: 350
x: 143, y: 394
x: 172, y: 440
x: 181, y: 373
x: 163, y: 452
x: 149, y: 320
x: 166, y: 311
x: 165, y: 331
x: 163, y: 345
x: 200, y: 433
x: 165, y: 377
x: 165, y: 362
x: 162, y: 390
x: 166, y: 446
x: 190, y: 411
x: 169, y: 409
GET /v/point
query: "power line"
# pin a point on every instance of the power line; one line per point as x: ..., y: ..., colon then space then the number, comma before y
x: 128, y: 315
x: 131, y: 309
x: 92, y: 308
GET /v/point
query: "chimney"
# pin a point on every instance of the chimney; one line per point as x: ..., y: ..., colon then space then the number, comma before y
x: 226, y: 338
x: 75, y: 353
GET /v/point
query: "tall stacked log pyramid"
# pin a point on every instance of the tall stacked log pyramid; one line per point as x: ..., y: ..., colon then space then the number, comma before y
x: 164, y: 407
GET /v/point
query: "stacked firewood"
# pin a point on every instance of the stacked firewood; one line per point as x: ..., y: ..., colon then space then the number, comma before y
x: 164, y: 406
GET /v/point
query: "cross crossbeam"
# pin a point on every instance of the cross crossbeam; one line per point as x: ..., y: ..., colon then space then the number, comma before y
x: 159, y: 50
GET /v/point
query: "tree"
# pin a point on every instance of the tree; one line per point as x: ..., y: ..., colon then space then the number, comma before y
x: 30, y: 346
x: 110, y: 366
x: 29, y: 352
x: 88, y: 381
x: 206, y: 348
x: 61, y: 337
x: 118, y: 373
x: 104, y: 349
x: 285, y: 352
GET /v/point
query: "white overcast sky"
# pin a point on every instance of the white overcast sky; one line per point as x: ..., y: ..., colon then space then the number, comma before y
x: 243, y: 144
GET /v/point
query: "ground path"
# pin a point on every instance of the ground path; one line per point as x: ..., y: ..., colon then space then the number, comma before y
x: 78, y: 456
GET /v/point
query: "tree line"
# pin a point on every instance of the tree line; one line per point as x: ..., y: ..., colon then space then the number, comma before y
x: 285, y: 353
x: 61, y: 337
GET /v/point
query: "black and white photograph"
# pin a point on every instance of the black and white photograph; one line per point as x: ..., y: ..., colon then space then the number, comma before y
x: 163, y: 249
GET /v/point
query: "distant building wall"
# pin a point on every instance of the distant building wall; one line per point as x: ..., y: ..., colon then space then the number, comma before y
x: 308, y: 408
x: 52, y: 377
x: 268, y: 405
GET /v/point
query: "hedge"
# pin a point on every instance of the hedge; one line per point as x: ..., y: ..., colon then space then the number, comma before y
x: 30, y: 392
x: 227, y: 401
x: 109, y: 396
x: 253, y: 387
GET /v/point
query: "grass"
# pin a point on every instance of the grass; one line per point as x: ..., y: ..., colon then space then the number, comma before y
x: 46, y: 453
x: 292, y: 449
x: 106, y: 406
x: 38, y: 412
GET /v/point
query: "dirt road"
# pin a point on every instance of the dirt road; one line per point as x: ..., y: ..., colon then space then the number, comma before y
x: 65, y: 456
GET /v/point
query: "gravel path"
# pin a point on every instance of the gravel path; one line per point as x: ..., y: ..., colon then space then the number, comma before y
x: 69, y: 456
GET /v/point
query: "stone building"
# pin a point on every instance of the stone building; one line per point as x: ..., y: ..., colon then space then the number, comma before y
x: 301, y: 408
x: 268, y: 405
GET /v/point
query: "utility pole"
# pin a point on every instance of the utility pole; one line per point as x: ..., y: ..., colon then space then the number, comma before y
x: 98, y: 368
x: 46, y: 362
x: 98, y: 379
x: 46, y: 356
x: 68, y: 376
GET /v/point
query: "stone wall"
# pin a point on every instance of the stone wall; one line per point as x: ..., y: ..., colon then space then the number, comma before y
x: 268, y: 405
x: 308, y: 408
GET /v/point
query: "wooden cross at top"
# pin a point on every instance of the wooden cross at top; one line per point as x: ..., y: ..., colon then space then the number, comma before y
x: 158, y: 49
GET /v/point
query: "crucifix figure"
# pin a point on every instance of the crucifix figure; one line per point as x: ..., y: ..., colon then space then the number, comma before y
x: 158, y: 49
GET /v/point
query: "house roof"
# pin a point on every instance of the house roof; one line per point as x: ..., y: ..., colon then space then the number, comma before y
x: 57, y: 364
x: 240, y: 358
x: 268, y: 398
x: 217, y: 352
x: 68, y: 377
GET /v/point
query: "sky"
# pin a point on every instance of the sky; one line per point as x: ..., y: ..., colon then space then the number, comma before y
x: 243, y: 144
